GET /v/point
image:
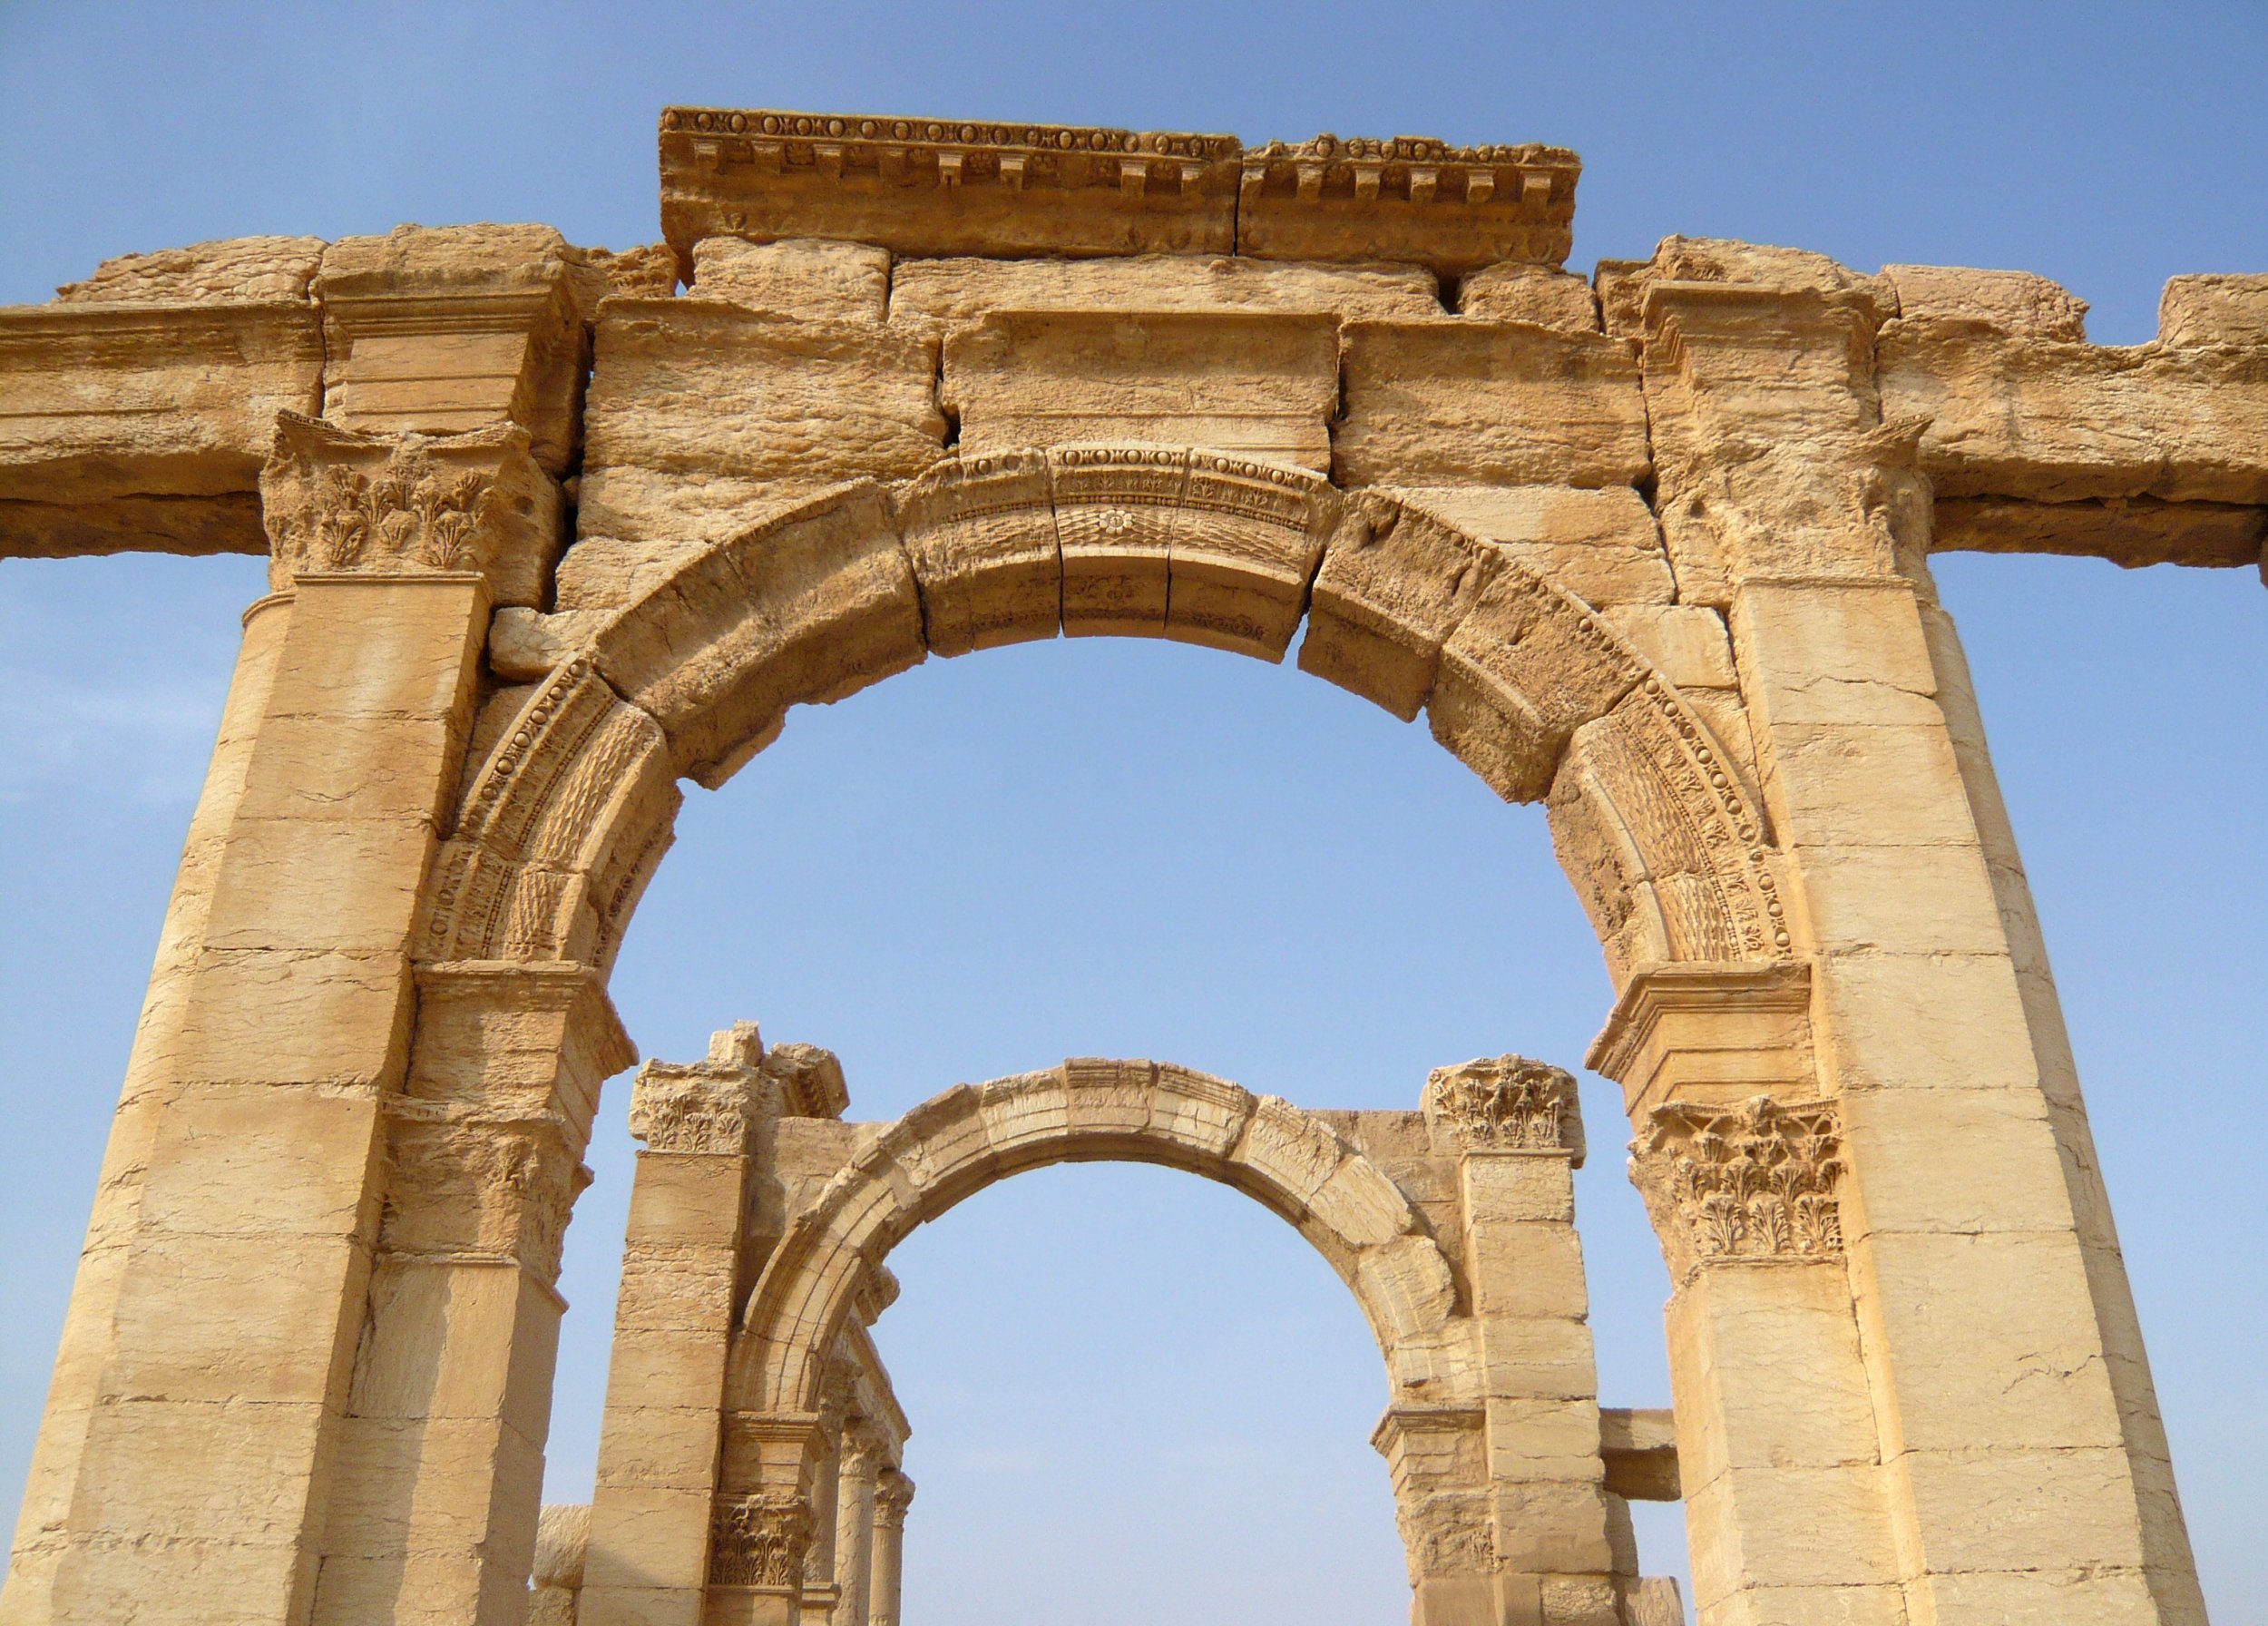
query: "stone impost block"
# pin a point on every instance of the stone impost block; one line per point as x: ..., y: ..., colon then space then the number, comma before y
x: 1456, y: 401
x: 1708, y: 1033
x: 1601, y: 546
x: 1263, y: 384
x: 447, y: 330
x: 922, y: 187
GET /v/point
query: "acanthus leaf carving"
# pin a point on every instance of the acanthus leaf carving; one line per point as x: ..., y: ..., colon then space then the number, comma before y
x: 1507, y: 1104
x: 761, y: 1541
x: 1754, y: 1181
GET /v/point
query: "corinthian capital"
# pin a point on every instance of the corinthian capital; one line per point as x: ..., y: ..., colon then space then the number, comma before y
x: 340, y: 501
x: 1507, y: 1104
x: 1755, y: 1182
x: 760, y: 1540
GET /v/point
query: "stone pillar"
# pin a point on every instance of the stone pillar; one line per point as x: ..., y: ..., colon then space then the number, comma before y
x: 49, y: 1564
x: 819, y: 1592
x: 894, y: 1494
x: 1516, y: 1130
x: 862, y: 1463
x: 1786, y: 1510
x: 682, y: 1265
x: 762, y: 1543
x: 2012, y: 1409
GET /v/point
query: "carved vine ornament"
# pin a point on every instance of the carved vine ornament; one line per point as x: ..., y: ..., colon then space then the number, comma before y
x: 1754, y: 1181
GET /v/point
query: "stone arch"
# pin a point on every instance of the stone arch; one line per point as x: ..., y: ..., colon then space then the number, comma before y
x: 1089, y: 1111
x: 572, y: 807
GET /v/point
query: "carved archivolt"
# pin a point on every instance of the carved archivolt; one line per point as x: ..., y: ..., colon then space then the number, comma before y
x: 565, y: 819
x: 972, y: 1135
x: 1754, y: 1181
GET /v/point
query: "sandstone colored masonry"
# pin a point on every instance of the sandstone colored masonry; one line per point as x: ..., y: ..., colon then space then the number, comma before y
x: 554, y: 530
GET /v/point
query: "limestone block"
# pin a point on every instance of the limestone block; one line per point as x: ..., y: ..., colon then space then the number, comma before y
x: 804, y: 278
x: 934, y: 295
x: 215, y: 1319
x: 2017, y: 302
x: 1521, y: 670
x: 468, y: 1471
x: 348, y: 885
x: 364, y: 651
x: 1639, y: 1448
x: 1544, y: 1278
x: 1883, y: 1606
x: 1538, y: 1356
x: 652, y: 1536
x: 687, y: 1198
x: 1117, y: 510
x: 1409, y: 198
x: 662, y: 1446
x: 2127, y: 530
x: 925, y: 187
x: 980, y: 535
x: 1951, y: 1160
x: 145, y: 424
x: 1515, y: 291
x: 1765, y: 1363
x: 704, y: 416
x: 1457, y: 401
x: 805, y: 608
x: 1997, y: 1329
x: 1836, y: 654
x: 1687, y: 644
x: 2055, y: 421
x: 444, y: 330
x: 2200, y: 311
x: 256, y: 1162
x: 1394, y: 584
x: 1545, y: 1526
x: 1849, y: 785
x: 1515, y: 1188
x: 1868, y: 1004
x: 684, y: 1288
x: 291, y: 1016
x: 1601, y: 546
x: 1541, y: 1438
x: 2065, y: 1510
x: 251, y: 1485
x: 443, y: 1341
x: 2052, y: 1597
x: 1903, y: 899
x: 1261, y: 383
x: 240, y: 270
x: 1786, y: 1526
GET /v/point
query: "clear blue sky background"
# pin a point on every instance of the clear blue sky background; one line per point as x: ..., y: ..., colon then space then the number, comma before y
x: 1137, y: 1396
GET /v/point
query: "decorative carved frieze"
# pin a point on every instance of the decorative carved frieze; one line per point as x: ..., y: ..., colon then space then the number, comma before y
x: 1507, y: 1104
x: 340, y: 500
x: 1454, y: 208
x: 1754, y: 1181
x: 932, y: 186
x: 761, y: 1541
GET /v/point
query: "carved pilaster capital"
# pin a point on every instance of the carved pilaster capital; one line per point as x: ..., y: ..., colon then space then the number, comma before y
x: 473, y: 1186
x: 894, y: 1494
x: 1507, y: 1104
x: 1737, y: 1184
x: 338, y: 501
x: 761, y: 1540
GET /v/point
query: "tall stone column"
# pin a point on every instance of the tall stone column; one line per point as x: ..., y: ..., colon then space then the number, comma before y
x: 894, y: 1496
x: 652, y: 1513
x: 1516, y: 1130
x: 2022, y: 1459
x: 47, y: 1556
x: 862, y: 1464
x: 817, y: 1606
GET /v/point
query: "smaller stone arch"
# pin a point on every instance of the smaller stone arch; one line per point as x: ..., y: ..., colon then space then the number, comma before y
x: 1091, y: 1111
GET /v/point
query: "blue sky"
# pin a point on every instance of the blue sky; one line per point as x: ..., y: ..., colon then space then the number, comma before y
x: 1136, y: 1395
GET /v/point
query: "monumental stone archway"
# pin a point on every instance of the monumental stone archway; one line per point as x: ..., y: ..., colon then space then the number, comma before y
x: 548, y: 535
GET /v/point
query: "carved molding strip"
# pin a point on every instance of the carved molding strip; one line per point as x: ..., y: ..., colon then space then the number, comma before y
x: 1756, y: 1181
x: 1507, y: 1104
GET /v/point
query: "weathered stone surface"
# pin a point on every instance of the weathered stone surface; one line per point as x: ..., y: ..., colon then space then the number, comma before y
x: 705, y: 417
x: 945, y: 293
x: 255, y: 270
x: 2197, y: 312
x: 1516, y: 292
x: 1444, y: 402
x: 807, y: 278
x: 2129, y: 531
x: 1601, y: 546
x: 2014, y: 302
x: 1261, y: 383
